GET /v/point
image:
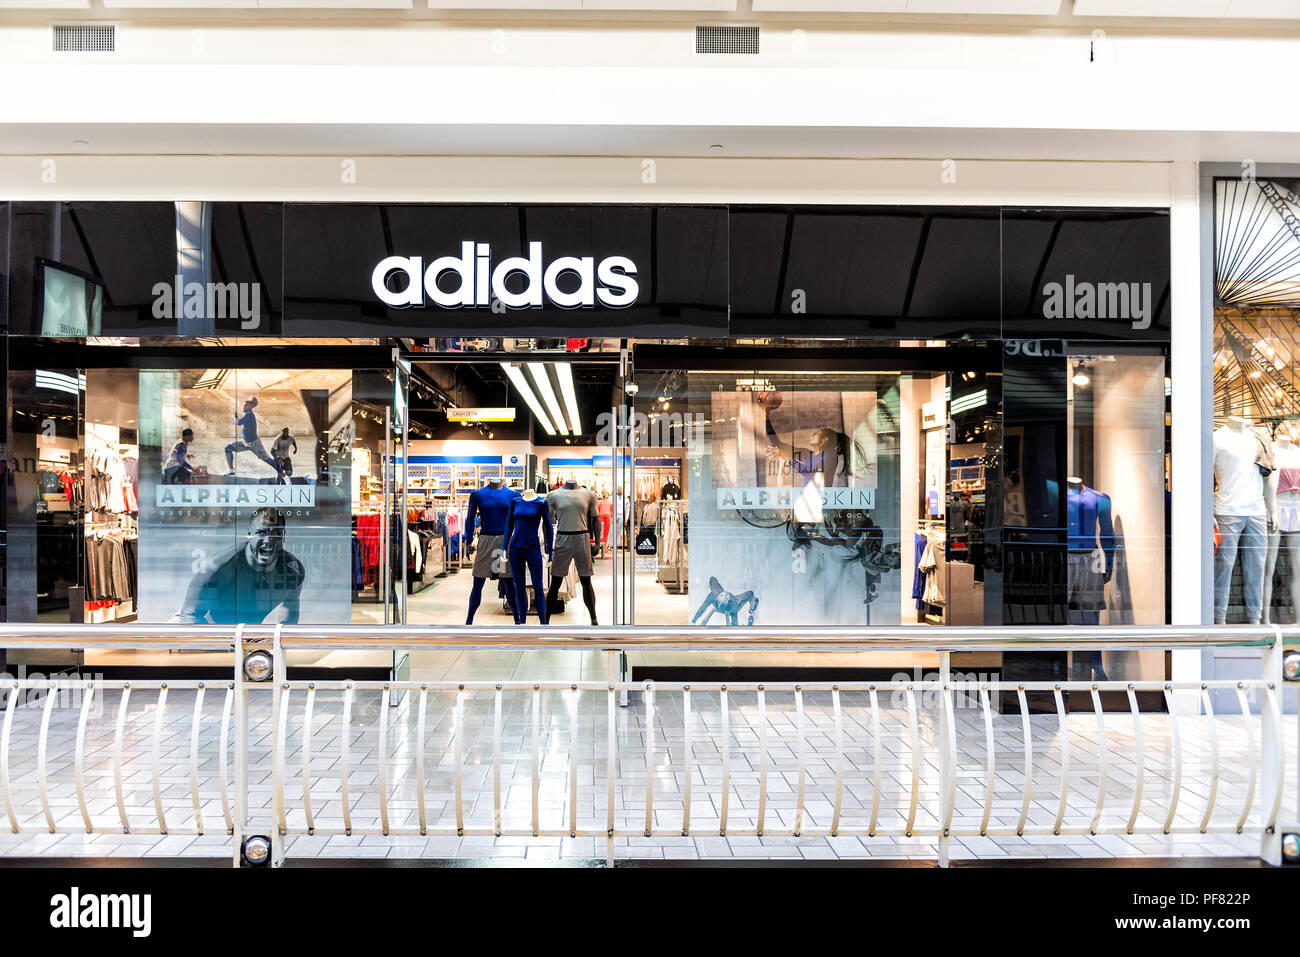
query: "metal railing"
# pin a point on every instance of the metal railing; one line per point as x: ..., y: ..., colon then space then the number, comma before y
x: 738, y: 750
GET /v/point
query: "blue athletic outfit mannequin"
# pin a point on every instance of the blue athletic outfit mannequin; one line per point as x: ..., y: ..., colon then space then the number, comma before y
x: 490, y: 505
x: 1088, y: 513
x: 525, y: 550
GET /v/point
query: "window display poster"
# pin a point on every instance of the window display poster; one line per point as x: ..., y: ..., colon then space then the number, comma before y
x: 794, y: 514
x: 811, y: 450
x: 935, y: 469
x: 245, y: 511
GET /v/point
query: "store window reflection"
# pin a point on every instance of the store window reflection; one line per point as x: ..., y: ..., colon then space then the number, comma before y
x: 790, y: 508
x: 1115, y: 500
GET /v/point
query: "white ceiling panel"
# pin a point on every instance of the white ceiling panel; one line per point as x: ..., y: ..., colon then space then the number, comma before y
x: 962, y: 7
x: 336, y: 4
x: 830, y: 6
x: 1150, y: 8
x: 1265, y: 9
x: 44, y: 4
x: 178, y: 4
x: 714, y: 5
x: 1040, y: 8
x: 249, y: 4
x: 505, y: 4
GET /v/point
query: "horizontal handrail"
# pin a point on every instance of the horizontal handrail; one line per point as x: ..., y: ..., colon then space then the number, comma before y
x: 820, y: 638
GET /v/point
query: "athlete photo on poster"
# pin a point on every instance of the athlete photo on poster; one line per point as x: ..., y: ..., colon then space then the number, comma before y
x: 775, y: 449
x: 245, y: 510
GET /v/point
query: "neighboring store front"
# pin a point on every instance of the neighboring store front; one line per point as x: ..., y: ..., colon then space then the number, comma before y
x: 784, y: 415
x: 1256, y: 399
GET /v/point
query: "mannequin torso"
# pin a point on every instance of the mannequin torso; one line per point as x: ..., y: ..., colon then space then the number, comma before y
x: 1240, y: 490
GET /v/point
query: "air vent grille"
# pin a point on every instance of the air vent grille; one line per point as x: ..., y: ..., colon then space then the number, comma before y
x: 85, y: 38
x: 717, y: 39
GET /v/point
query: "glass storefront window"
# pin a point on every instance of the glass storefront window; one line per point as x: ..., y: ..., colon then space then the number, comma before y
x: 1256, y: 535
x: 245, y: 497
x: 793, y: 500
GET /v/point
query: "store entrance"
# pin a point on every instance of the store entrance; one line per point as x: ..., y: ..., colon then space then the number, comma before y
x: 736, y: 488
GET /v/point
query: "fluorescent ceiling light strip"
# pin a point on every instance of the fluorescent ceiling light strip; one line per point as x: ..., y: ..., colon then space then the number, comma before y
x: 516, y: 376
x: 967, y: 402
x: 538, y: 371
x: 56, y: 382
x: 564, y: 372
x: 56, y: 376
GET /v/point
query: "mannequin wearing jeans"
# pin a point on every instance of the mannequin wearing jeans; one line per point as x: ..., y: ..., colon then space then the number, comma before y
x: 1243, y: 504
x: 524, y: 547
x: 1285, y: 481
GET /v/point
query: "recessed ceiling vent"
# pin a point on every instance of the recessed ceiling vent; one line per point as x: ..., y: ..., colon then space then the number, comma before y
x: 85, y: 38
x: 720, y: 39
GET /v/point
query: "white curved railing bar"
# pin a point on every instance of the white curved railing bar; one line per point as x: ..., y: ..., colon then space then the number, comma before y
x: 930, y: 814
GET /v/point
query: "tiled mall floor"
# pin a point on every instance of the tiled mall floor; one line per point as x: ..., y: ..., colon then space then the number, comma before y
x: 630, y: 792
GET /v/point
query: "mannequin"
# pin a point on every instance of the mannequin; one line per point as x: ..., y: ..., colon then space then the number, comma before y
x: 1091, y: 557
x: 528, y: 513
x: 1284, y: 520
x: 576, y: 527
x: 617, y: 519
x: 605, y: 509
x: 491, y: 506
x: 1243, y: 502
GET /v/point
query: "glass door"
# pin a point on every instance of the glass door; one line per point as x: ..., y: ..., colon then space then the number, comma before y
x: 406, y: 541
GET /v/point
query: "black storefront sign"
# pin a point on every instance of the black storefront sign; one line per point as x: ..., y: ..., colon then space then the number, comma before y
x: 367, y: 270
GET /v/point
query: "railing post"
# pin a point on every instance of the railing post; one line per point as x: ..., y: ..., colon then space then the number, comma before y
x: 1270, y: 748
x: 241, y: 749
x: 279, y: 686
x: 945, y: 769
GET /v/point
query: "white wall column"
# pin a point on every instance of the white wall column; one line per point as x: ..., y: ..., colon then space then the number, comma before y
x: 1191, y: 563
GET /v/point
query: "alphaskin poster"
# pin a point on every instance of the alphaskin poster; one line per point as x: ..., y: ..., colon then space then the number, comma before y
x: 245, y: 485
x: 794, y: 509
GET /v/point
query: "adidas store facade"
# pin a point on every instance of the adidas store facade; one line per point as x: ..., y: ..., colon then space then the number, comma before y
x: 908, y: 404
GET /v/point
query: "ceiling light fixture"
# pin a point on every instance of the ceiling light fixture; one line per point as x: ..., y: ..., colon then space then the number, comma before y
x: 564, y: 372
x: 543, y: 381
x: 518, y: 380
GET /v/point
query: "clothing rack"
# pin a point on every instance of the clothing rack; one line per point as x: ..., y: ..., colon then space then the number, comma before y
x: 930, y: 579
x: 672, y: 531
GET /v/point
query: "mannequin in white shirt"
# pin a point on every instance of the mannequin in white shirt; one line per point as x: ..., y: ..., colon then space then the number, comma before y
x: 1285, y: 485
x: 1243, y: 507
